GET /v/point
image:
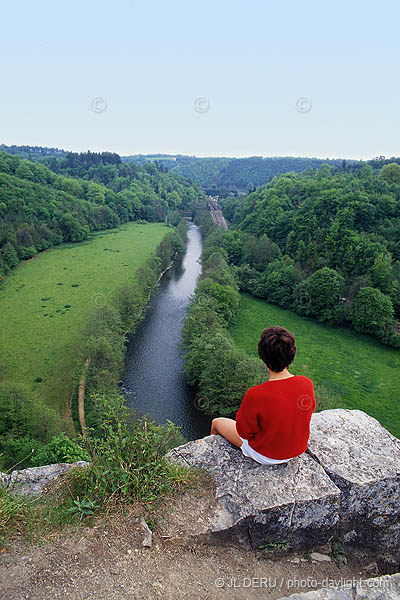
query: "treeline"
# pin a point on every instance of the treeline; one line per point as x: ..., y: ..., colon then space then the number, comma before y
x: 32, y: 152
x: 222, y: 175
x: 221, y: 372
x: 40, y: 208
x: 326, y: 245
x: 31, y: 433
x: 108, y: 169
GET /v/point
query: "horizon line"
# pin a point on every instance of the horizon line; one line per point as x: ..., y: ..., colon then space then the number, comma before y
x: 238, y: 157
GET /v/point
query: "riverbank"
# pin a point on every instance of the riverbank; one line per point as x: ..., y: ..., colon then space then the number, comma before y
x: 34, y: 434
x: 220, y: 371
x: 154, y: 382
x: 45, y: 302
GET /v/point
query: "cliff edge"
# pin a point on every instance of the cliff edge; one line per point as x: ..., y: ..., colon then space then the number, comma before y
x: 346, y: 486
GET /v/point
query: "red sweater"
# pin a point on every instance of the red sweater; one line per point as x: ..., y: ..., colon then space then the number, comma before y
x: 275, y: 416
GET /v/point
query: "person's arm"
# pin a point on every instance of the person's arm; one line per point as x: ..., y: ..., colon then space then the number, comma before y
x: 247, y: 421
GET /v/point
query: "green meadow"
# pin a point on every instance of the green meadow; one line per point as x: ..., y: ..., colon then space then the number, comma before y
x: 45, y: 301
x: 356, y: 370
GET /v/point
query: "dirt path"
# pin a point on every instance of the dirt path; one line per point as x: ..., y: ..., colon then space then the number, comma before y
x: 108, y: 561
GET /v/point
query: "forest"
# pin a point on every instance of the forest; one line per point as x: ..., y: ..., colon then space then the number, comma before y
x: 325, y: 244
x: 43, y: 206
x: 222, y: 175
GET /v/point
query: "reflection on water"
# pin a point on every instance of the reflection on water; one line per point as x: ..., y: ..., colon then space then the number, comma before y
x: 154, y: 382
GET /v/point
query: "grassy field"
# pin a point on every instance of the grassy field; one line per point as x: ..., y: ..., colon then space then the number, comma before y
x: 359, y: 371
x: 45, y: 301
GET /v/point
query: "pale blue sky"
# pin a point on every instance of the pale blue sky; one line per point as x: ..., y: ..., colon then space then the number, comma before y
x: 251, y: 60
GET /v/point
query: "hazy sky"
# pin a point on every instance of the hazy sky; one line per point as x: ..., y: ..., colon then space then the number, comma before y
x: 211, y: 78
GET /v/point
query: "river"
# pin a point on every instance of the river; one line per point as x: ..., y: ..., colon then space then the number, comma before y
x: 154, y: 382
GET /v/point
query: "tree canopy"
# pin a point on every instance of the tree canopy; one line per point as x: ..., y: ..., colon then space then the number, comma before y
x: 311, y: 241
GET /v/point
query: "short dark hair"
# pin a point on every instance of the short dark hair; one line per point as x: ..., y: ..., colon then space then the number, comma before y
x: 277, y: 348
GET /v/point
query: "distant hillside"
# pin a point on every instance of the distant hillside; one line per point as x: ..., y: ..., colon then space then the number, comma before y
x: 32, y: 152
x: 224, y: 175
x: 40, y: 208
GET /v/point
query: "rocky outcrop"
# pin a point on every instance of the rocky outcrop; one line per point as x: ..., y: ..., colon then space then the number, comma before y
x: 363, y: 460
x: 386, y: 587
x: 31, y: 482
x: 295, y: 502
x: 347, y: 484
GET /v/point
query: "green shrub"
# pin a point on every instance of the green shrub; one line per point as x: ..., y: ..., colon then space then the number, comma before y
x: 218, y: 269
x: 226, y: 377
x: 23, y: 419
x: 227, y: 298
x: 130, y: 302
x: 60, y: 449
x: 128, y: 462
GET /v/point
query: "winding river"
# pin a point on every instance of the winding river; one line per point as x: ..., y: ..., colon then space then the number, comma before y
x: 154, y: 382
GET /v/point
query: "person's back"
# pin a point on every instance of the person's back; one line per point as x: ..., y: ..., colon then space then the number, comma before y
x: 273, y: 422
x: 275, y: 416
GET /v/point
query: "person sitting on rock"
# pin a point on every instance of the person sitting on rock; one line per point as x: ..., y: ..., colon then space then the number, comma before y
x: 273, y: 422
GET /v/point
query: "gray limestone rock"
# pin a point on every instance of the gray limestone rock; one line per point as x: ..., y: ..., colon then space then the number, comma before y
x: 293, y: 503
x: 386, y: 587
x: 363, y: 460
x: 30, y: 482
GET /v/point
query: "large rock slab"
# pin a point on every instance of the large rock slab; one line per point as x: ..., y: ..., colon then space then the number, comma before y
x: 295, y: 504
x: 386, y: 587
x: 30, y: 482
x: 363, y: 460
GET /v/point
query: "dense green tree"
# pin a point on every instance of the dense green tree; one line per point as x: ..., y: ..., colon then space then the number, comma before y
x: 258, y: 253
x: 381, y: 272
x: 226, y: 297
x: 372, y: 312
x: 9, y: 256
x: 323, y: 292
x: 218, y: 269
x: 277, y: 283
x: 233, y: 244
x: 391, y: 173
